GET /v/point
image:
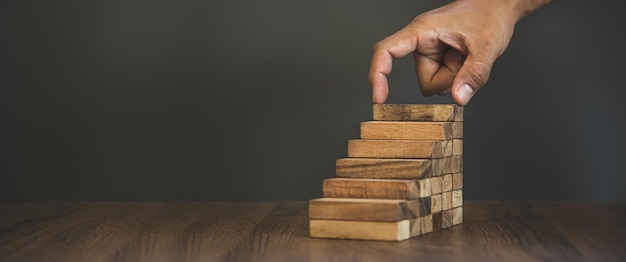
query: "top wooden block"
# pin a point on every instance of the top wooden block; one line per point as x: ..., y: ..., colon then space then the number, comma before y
x: 418, y: 112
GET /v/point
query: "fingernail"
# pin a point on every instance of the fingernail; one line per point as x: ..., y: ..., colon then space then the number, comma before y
x: 465, y: 93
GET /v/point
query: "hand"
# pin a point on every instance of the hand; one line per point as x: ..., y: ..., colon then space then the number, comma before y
x: 454, y: 46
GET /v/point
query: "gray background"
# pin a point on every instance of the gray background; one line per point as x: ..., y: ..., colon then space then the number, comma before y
x: 201, y: 100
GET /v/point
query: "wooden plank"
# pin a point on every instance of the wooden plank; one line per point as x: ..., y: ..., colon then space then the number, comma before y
x: 457, y: 216
x: 361, y: 230
x: 418, y: 112
x: 381, y: 210
x: 446, y: 200
x: 457, y: 198
x: 457, y: 130
x: 446, y: 183
x: 407, y: 130
x: 446, y: 218
x: 395, y: 149
x: 457, y: 181
x: 436, y: 185
x: 387, y: 168
x: 376, y: 188
x: 457, y: 147
x: 436, y: 203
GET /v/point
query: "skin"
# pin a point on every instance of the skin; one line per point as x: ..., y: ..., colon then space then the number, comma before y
x: 454, y: 46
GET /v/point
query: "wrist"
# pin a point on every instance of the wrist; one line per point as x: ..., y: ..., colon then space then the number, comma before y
x: 525, y: 7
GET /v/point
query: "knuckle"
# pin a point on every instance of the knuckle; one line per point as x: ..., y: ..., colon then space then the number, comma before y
x: 479, y: 72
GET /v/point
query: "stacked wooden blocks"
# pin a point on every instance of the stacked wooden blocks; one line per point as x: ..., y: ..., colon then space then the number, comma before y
x: 402, y: 179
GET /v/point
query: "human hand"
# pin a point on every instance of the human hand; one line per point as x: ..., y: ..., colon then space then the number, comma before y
x: 453, y: 46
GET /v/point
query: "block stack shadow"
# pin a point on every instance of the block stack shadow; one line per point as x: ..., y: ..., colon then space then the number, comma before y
x: 402, y: 179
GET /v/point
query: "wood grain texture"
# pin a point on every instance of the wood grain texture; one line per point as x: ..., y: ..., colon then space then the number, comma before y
x: 452, y: 164
x: 457, y: 147
x: 384, y: 231
x: 457, y: 198
x: 407, y: 130
x: 132, y: 231
x: 457, y: 216
x: 425, y: 225
x: 446, y: 183
x: 375, y: 188
x: 418, y: 112
x: 278, y: 231
x: 446, y: 218
x: 436, y: 203
x: 436, y: 185
x: 377, y: 210
x: 458, y: 114
x: 448, y: 147
x: 457, y: 181
x: 457, y: 164
x: 437, y: 220
x: 446, y: 165
x: 388, y: 168
x: 360, y: 148
x: 446, y: 200
x: 457, y: 130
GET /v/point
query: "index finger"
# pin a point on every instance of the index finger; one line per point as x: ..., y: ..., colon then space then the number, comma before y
x: 392, y: 47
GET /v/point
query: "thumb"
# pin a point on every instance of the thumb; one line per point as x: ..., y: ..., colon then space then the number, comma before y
x: 471, y: 77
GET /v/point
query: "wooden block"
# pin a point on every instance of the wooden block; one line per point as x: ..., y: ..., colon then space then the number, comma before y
x: 436, y: 185
x: 457, y: 161
x: 395, y: 149
x: 446, y: 183
x: 457, y: 198
x: 376, y: 188
x: 363, y: 230
x: 388, y: 168
x: 457, y: 181
x: 407, y: 130
x: 418, y: 112
x: 457, y: 164
x: 446, y: 200
x: 458, y: 114
x: 381, y: 210
x: 446, y: 165
x: 448, y: 147
x: 457, y: 129
x: 457, y: 147
x: 457, y: 216
x: 422, y: 225
x: 436, y: 203
x: 452, y: 164
x: 437, y: 221
x: 446, y: 218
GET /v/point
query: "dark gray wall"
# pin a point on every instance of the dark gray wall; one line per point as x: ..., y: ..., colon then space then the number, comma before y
x: 180, y: 100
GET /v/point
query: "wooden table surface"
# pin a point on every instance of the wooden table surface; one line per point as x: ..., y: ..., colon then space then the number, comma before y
x: 278, y: 231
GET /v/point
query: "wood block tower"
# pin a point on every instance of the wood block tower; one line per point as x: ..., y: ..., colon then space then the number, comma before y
x: 403, y: 178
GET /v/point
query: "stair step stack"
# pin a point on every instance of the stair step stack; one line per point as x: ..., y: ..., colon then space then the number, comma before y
x: 403, y: 178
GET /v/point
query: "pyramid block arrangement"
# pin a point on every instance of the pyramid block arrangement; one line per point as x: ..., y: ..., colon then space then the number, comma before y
x: 402, y: 179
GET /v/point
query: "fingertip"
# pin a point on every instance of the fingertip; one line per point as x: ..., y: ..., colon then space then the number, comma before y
x: 462, y: 94
x: 380, y: 94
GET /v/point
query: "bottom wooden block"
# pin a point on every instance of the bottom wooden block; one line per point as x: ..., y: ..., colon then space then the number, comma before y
x: 446, y: 218
x: 368, y: 230
x: 385, y: 231
x: 457, y: 216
